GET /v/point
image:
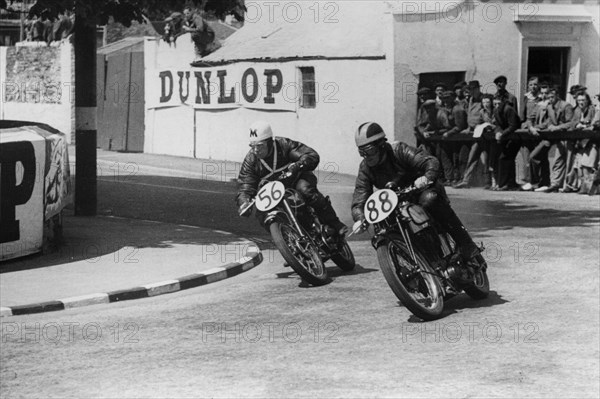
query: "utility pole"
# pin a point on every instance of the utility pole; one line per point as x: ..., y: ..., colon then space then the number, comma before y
x: 85, y: 113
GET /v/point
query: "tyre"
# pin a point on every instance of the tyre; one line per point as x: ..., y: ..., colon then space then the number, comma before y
x: 300, y: 253
x: 480, y: 288
x: 415, y: 285
x: 344, y: 259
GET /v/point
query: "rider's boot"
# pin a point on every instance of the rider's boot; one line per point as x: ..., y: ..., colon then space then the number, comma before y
x: 327, y: 215
x: 461, y: 236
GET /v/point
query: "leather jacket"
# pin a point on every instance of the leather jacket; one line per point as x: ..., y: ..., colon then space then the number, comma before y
x: 288, y: 152
x: 403, y: 164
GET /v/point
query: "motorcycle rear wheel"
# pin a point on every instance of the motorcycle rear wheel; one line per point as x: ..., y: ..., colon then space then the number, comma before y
x: 301, y: 254
x: 421, y: 292
x: 344, y: 259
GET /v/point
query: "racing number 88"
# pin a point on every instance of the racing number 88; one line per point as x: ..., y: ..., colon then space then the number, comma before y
x: 384, y: 204
x: 384, y: 197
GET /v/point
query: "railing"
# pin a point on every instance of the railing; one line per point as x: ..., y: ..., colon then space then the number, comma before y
x: 522, y: 134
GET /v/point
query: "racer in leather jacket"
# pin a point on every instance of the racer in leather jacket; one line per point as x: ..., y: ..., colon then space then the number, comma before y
x: 400, y: 165
x: 268, y: 158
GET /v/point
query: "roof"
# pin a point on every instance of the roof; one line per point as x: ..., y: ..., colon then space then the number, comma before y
x: 344, y: 29
x: 128, y: 43
x: 552, y: 13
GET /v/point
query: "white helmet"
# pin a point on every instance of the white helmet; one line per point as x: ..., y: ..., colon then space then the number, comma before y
x: 260, y: 130
x: 367, y: 133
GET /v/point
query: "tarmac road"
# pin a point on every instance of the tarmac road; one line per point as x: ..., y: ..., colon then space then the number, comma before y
x: 266, y: 334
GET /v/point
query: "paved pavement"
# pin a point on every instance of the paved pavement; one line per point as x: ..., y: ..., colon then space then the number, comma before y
x: 107, y: 259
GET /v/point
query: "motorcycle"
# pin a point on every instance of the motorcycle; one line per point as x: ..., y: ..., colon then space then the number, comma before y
x: 302, y: 240
x: 419, y: 259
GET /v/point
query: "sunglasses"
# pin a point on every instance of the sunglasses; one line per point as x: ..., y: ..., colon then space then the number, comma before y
x: 368, y: 151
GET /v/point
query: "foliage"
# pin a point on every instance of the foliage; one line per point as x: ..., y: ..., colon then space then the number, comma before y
x: 126, y: 11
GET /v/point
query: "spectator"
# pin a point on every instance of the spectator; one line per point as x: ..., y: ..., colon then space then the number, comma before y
x: 595, y: 188
x: 37, y: 29
x: 531, y: 103
x: 574, y: 90
x: 451, y: 119
x: 48, y: 27
x: 426, y: 118
x: 460, y: 95
x: 585, y: 152
x: 173, y: 27
x: 504, y: 148
x: 440, y: 88
x: 509, y: 98
x: 475, y: 116
x: 202, y: 33
x: 63, y: 26
x: 427, y: 111
x: 557, y: 115
x: 472, y: 101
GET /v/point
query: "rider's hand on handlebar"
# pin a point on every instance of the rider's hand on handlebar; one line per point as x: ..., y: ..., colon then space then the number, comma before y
x: 422, y: 182
x: 391, y: 185
x: 245, y: 209
x: 295, y: 168
x: 360, y: 226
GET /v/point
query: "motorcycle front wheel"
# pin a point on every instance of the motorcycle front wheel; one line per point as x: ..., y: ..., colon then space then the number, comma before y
x: 300, y: 253
x: 416, y: 285
x: 480, y: 288
x: 344, y: 258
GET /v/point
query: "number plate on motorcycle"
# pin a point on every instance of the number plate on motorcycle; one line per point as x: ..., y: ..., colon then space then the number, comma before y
x: 269, y: 196
x: 379, y: 205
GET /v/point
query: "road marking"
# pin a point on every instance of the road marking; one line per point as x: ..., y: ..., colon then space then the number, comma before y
x: 169, y: 187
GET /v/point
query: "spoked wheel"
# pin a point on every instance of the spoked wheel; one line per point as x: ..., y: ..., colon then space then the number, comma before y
x: 415, y: 285
x: 300, y: 253
x: 480, y: 288
x: 344, y: 259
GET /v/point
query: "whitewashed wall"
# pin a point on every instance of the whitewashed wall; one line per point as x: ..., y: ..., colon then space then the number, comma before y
x: 349, y: 92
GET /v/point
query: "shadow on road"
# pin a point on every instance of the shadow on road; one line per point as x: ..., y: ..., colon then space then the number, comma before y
x: 502, y: 215
x: 332, y: 271
x: 463, y: 301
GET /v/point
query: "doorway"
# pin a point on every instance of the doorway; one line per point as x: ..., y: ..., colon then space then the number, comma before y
x: 551, y: 65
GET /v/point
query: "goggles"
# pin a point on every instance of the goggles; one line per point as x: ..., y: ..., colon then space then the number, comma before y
x: 258, y: 145
x: 369, y: 151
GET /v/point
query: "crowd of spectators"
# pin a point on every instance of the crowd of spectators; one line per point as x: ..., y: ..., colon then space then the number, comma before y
x: 192, y: 22
x: 43, y: 28
x: 492, y: 120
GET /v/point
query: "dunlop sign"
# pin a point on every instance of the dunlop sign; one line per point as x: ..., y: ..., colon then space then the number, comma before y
x: 231, y: 86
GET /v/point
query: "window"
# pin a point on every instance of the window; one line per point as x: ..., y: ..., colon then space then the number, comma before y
x: 308, y: 96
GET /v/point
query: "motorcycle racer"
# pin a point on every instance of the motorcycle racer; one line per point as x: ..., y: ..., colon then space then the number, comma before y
x: 268, y: 157
x: 400, y: 165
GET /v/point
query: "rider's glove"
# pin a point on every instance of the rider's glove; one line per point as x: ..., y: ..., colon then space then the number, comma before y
x: 245, y: 209
x: 422, y: 182
x: 360, y: 226
x: 295, y: 168
x: 391, y: 185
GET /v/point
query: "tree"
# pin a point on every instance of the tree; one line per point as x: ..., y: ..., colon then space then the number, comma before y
x: 89, y: 14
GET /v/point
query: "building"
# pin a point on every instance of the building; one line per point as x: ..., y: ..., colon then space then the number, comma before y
x: 318, y: 70
x: 314, y: 74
